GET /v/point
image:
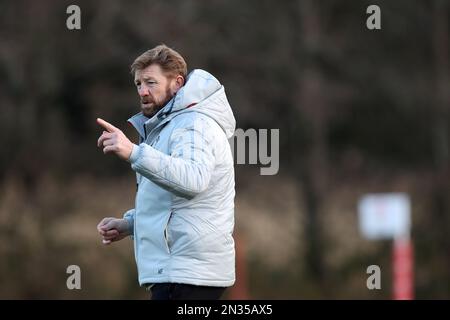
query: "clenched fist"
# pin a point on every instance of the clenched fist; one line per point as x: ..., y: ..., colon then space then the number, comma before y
x: 112, y: 229
x: 114, y: 140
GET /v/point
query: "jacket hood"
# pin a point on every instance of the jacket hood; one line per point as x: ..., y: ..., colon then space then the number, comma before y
x: 202, y: 93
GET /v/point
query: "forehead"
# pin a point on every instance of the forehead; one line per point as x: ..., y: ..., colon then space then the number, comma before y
x: 152, y: 71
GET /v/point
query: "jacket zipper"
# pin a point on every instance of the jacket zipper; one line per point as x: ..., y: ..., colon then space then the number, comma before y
x: 136, y: 238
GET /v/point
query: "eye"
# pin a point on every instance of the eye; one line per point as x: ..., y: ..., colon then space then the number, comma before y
x: 151, y: 82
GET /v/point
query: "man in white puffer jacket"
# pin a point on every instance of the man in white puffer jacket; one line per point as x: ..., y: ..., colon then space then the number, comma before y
x: 183, y: 219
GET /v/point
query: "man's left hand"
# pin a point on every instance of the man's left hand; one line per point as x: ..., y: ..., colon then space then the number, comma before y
x: 114, y: 140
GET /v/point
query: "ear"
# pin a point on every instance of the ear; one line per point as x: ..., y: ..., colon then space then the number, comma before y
x: 179, y: 82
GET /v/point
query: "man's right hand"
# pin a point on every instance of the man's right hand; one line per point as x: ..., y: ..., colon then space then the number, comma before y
x: 112, y: 229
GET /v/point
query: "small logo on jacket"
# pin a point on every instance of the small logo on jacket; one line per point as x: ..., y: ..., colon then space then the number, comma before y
x: 160, y: 271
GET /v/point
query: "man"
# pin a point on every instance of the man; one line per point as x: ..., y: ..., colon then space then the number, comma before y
x: 183, y: 218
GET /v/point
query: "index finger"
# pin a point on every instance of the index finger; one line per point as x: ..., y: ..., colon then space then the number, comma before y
x: 106, y: 125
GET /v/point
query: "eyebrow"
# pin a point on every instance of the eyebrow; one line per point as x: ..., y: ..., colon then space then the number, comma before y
x: 145, y: 79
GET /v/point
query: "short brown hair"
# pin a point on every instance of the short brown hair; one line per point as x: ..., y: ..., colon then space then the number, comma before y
x: 170, y: 61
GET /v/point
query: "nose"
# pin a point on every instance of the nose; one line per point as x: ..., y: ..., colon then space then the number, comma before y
x: 143, y: 91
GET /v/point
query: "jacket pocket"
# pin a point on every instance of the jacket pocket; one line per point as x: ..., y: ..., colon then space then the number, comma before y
x: 166, y: 234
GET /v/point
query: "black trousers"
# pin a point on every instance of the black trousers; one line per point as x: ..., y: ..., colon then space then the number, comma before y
x: 177, y: 291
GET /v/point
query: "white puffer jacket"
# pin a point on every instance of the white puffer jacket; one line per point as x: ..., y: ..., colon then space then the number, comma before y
x: 184, y: 212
